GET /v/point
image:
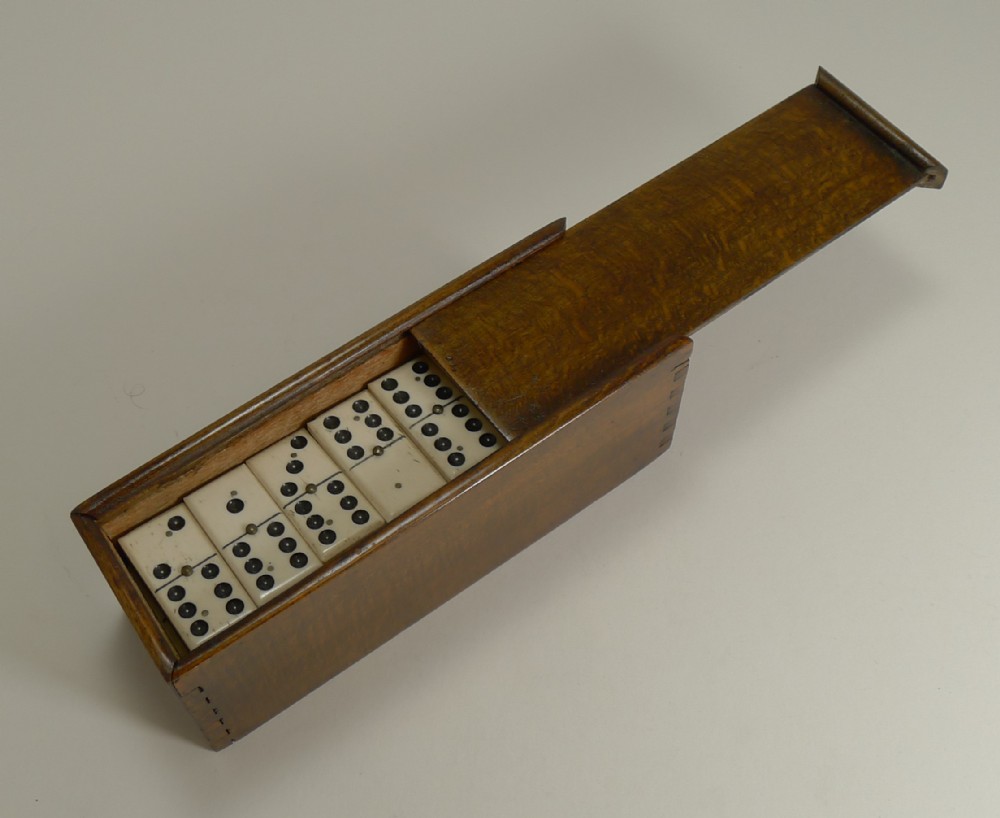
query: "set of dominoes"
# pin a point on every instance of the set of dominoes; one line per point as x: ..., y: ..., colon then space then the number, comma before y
x: 245, y: 537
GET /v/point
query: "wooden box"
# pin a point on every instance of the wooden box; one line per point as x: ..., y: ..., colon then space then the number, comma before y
x: 574, y: 343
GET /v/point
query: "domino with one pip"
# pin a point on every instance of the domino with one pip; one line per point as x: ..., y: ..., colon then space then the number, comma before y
x: 255, y: 538
x: 195, y: 588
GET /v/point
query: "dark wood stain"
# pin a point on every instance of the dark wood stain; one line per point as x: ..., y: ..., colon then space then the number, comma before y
x: 666, y: 258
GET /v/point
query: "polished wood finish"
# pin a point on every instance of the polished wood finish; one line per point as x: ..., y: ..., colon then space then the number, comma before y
x: 573, y: 342
x: 933, y: 173
x: 162, y: 482
x: 443, y: 545
x: 668, y: 257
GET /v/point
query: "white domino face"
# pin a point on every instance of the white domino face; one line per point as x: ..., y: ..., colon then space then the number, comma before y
x: 322, y: 502
x: 258, y: 529
x: 437, y: 415
x: 193, y: 585
x: 365, y: 442
x: 256, y: 539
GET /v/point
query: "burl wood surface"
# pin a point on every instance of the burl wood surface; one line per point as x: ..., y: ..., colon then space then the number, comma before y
x: 668, y: 257
x: 427, y: 556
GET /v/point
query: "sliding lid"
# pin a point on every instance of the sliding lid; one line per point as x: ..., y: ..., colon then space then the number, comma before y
x: 671, y: 255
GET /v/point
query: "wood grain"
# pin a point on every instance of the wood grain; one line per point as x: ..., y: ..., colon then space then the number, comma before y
x: 447, y: 543
x: 665, y: 259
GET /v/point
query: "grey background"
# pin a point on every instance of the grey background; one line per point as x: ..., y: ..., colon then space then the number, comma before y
x: 792, y: 613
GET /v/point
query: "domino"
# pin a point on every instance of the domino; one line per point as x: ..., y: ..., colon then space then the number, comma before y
x: 368, y: 446
x: 322, y: 502
x: 437, y: 415
x: 189, y: 579
x: 256, y: 540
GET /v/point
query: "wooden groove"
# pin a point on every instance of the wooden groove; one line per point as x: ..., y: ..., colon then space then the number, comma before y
x: 934, y: 173
x: 187, y: 456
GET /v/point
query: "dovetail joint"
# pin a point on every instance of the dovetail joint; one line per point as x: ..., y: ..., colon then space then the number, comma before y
x: 215, y: 710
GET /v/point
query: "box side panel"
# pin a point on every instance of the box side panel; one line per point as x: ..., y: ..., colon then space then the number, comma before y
x: 547, y: 476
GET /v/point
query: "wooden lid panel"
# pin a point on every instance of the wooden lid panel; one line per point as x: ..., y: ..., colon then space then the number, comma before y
x: 663, y: 260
